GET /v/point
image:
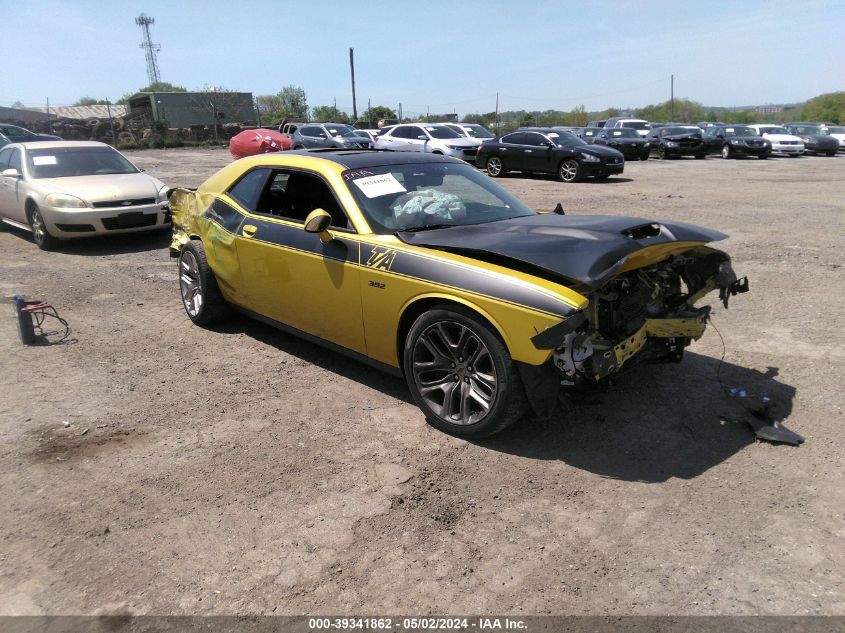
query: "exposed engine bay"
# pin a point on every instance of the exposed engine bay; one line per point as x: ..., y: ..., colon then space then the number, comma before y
x: 648, y: 313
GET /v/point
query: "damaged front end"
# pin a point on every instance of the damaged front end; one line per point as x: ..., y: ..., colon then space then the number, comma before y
x: 643, y: 314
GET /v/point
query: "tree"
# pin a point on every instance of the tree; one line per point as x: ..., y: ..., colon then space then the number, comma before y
x: 162, y: 86
x: 329, y: 114
x: 526, y: 119
x: 826, y: 107
x: 19, y: 105
x: 378, y: 113
x: 88, y: 101
x: 293, y: 102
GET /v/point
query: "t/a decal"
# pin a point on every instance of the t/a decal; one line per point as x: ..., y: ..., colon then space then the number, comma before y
x: 381, y: 258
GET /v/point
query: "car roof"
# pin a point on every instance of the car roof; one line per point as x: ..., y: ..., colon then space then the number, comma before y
x: 58, y: 144
x: 356, y: 159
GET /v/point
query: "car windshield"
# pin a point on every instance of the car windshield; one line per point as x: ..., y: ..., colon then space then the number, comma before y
x: 13, y: 131
x: 810, y: 129
x: 441, y: 132
x: 565, y: 138
x: 636, y: 125
x: 670, y: 131
x: 624, y: 133
x: 740, y: 130
x: 65, y: 162
x: 478, y: 131
x: 428, y: 195
x: 341, y: 130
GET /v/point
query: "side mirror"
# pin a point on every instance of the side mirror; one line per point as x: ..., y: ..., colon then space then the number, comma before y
x: 318, y: 221
x: 422, y: 137
x: 11, y: 173
x: 548, y: 144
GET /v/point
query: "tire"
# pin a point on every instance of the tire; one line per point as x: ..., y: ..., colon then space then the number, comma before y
x: 40, y: 235
x: 569, y: 170
x: 495, y: 167
x: 726, y: 152
x: 662, y: 154
x: 298, y: 147
x: 644, y: 157
x: 450, y: 346
x: 831, y: 153
x: 700, y: 156
x: 763, y: 156
x: 201, y: 296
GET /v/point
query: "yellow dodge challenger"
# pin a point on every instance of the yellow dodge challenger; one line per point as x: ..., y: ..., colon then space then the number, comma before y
x: 422, y: 265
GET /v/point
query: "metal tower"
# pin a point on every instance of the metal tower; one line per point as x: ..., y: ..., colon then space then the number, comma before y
x: 150, y: 49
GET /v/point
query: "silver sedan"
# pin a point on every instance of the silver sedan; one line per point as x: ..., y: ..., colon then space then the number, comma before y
x: 68, y: 189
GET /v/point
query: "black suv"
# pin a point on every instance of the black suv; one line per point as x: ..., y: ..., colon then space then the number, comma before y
x: 626, y: 140
x: 549, y: 151
x: 732, y: 141
x: 674, y: 140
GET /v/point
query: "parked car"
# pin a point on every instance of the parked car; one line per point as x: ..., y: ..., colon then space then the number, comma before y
x: 588, y: 134
x: 17, y: 134
x: 424, y: 267
x: 323, y: 135
x: 640, y: 125
x: 369, y: 135
x: 545, y: 150
x: 471, y: 130
x: 626, y: 140
x: 676, y: 140
x: 782, y: 141
x: 706, y: 125
x: 68, y: 189
x: 599, y: 123
x: 4, y: 140
x: 816, y: 140
x: 838, y: 132
x: 732, y: 141
x: 430, y: 138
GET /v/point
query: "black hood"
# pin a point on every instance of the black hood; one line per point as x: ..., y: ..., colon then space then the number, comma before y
x: 679, y: 137
x: 597, y: 150
x: 589, y: 249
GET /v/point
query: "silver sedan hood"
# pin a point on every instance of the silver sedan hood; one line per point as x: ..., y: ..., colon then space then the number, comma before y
x: 102, y: 188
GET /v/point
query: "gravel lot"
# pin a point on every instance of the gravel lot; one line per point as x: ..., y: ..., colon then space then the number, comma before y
x: 241, y: 470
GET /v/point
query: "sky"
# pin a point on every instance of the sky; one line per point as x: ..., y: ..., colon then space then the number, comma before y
x: 434, y: 55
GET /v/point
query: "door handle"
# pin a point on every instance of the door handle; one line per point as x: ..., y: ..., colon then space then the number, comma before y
x: 528, y: 151
x: 249, y: 230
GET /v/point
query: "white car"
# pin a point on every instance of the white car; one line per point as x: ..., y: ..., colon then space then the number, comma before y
x: 782, y: 141
x: 640, y: 125
x: 429, y: 137
x: 838, y: 132
x: 68, y: 189
x: 471, y: 130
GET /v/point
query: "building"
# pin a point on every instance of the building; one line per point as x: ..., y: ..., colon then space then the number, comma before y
x: 185, y: 109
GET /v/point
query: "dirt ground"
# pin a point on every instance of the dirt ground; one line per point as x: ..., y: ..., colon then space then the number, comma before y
x: 241, y: 470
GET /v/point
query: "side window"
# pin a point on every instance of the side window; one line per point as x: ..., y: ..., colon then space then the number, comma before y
x: 399, y: 132
x: 248, y: 189
x: 319, y: 132
x: 416, y: 132
x: 532, y: 138
x: 4, y: 159
x: 293, y: 195
x: 15, y: 161
x: 517, y: 138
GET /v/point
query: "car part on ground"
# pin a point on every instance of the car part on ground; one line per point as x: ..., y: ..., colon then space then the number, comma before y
x: 549, y: 151
x: 70, y: 189
x: 421, y: 265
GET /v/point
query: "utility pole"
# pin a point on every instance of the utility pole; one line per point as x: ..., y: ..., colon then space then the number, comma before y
x: 672, y: 95
x: 352, y: 68
x: 496, y: 117
x: 400, y: 112
x: 49, y: 120
x: 150, y: 49
x: 369, y: 115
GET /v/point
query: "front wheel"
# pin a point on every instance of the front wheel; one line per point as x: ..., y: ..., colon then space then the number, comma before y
x: 644, y: 156
x: 763, y: 156
x: 662, y: 154
x: 495, y: 167
x: 40, y: 235
x: 200, y: 294
x: 726, y: 151
x: 831, y: 153
x: 570, y: 170
x: 461, y: 374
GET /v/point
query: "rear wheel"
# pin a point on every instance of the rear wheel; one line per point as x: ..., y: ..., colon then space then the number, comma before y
x: 763, y: 156
x: 662, y: 154
x: 495, y: 167
x: 726, y: 151
x: 200, y: 294
x: 461, y: 374
x: 831, y: 153
x: 644, y: 156
x: 40, y: 235
x: 569, y: 170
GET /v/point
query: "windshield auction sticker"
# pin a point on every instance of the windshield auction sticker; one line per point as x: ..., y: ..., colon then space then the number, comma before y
x: 43, y: 160
x: 375, y: 186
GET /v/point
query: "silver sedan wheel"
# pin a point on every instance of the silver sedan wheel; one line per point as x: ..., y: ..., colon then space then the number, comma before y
x: 454, y: 372
x: 190, y: 283
x: 569, y: 170
x: 39, y: 229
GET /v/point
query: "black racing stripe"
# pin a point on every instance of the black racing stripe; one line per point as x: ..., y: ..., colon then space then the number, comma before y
x: 225, y: 215
x: 295, y: 237
x: 507, y: 289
